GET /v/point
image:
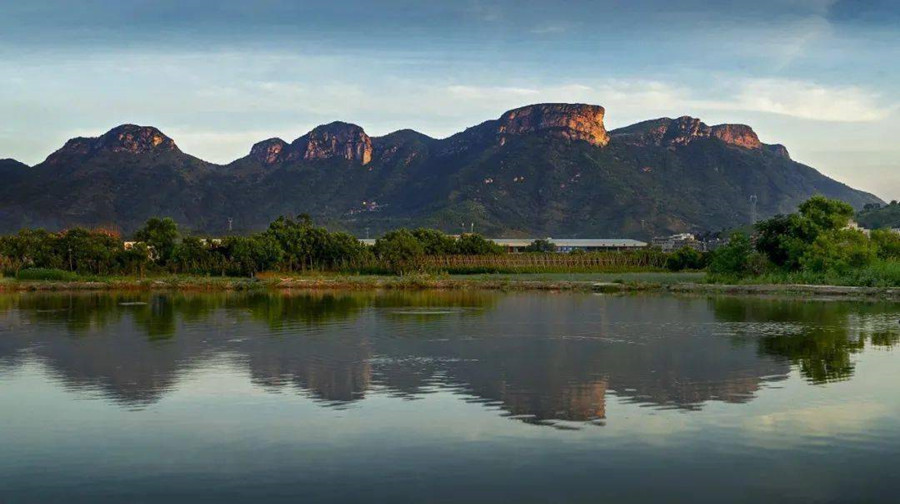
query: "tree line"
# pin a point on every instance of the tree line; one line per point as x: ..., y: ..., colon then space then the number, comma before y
x: 288, y: 245
x: 817, y: 239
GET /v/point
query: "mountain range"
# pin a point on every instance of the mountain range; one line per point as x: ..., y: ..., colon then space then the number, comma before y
x: 540, y: 170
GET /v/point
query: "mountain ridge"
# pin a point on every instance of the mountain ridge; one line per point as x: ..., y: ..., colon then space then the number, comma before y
x: 536, y: 170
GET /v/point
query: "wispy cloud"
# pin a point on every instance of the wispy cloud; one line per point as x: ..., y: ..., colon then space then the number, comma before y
x: 805, y: 100
x: 648, y: 98
x: 794, y: 40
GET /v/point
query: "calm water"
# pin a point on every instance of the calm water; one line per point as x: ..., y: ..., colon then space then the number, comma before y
x: 447, y: 397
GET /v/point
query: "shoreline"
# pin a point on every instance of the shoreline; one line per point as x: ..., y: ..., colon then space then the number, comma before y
x: 422, y: 282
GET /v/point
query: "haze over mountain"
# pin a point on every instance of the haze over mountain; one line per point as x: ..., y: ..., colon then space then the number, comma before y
x: 539, y: 170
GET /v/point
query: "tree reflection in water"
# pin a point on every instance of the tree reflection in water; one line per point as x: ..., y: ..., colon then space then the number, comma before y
x: 821, y: 337
x: 538, y: 357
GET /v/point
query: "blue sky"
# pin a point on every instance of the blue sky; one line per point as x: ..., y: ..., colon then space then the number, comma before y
x: 819, y: 76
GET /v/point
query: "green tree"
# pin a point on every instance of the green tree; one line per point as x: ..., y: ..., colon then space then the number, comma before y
x: 343, y: 250
x: 250, y: 255
x: 435, y: 242
x: 290, y: 236
x: 134, y: 260
x: 161, y: 236
x: 733, y: 258
x: 88, y: 251
x: 32, y: 248
x: 474, y: 244
x: 783, y: 239
x: 887, y: 242
x: 786, y: 239
x: 839, y: 251
x: 825, y: 214
x: 400, y: 250
x: 540, y: 245
x: 267, y: 252
x: 193, y: 254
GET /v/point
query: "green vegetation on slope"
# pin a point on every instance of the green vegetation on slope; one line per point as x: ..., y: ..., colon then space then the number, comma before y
x: 876, y: 216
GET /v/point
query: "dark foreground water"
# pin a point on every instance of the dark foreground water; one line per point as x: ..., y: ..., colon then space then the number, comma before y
x: 447, y: 397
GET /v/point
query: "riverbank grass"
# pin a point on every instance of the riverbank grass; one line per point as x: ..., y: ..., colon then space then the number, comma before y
x: 522, y: 281
x: 884, y: 274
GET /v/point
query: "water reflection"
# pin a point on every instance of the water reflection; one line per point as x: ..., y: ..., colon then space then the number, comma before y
x: 820, y: 338
x: 538, y: 358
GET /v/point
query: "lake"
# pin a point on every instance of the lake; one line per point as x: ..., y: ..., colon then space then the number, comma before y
x: 446, y: 397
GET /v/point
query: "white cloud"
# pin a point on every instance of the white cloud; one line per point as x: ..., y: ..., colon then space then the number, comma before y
x: 206, y: 102
x: 803, y: 99
x: 826, y: 420
x: 635, y: 99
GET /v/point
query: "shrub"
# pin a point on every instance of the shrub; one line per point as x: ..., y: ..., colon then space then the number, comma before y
x: 686, y: 258
x: 50, y: 274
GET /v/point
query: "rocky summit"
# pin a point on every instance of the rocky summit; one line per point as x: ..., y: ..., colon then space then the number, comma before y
x: 127, y: 138
x: 667, y: 132
x: 540, y: 170
x: 571, y: 122
x: 336, y: 140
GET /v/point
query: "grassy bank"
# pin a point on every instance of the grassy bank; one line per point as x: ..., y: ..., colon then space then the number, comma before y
x: 880, y: 274
x: 525, y: 281
x: 686, y: 283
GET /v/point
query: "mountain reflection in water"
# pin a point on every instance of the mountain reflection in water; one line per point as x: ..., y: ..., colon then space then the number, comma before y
x: 539, y: 358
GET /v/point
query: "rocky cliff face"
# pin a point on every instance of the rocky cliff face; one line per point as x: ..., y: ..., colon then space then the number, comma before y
x: 736, y: 134
x: 779, y: 150
x: 128, y: 138
x: 569, y: 121
x: 335, y: 140
x: 271, y: 151
x: 682, y: 131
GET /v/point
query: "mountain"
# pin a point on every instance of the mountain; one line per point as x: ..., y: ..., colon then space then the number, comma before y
x: 539, y: 170
x: 880, y: 217
x: 12, y: 170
